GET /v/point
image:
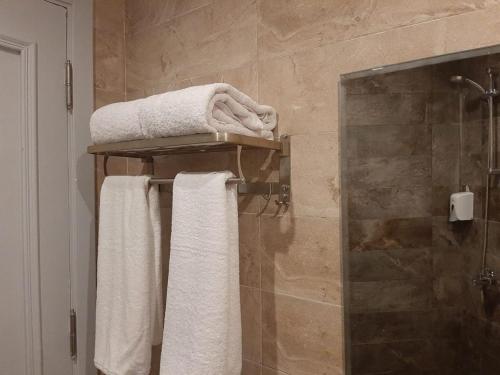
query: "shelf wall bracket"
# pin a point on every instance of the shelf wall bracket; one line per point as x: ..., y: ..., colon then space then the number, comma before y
x: 285, y: 169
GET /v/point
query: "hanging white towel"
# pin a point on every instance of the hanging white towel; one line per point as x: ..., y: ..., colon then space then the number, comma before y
x: 129, y: 313
x: 217, y: 107
x: 202, y: 334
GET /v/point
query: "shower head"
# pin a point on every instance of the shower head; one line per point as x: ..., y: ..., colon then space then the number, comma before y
x: 461, y: 80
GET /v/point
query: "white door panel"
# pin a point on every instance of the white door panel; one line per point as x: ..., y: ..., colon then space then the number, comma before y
x: 12, y: 323
x: 34, y: 216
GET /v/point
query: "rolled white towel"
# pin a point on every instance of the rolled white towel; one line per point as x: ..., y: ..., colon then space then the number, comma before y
x: 116, y: 122
x: 217, y: 107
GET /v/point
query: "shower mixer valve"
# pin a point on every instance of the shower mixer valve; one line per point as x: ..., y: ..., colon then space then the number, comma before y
x: 485, y: 278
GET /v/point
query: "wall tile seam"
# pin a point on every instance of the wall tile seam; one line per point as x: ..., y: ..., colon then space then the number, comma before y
x: 299, y: 298
x: 362, y: 36
x: 252, y: 361
x: 260, y: 250
x: 166, y: 21
x: 125, y: 52
x: 253, y: 288
x: 280, y: 372
x: 226, y: 30
x: 315, y: 133
x: 300, y: 216
x: 261, y: 310
x: 220, y: 73
x: 106, y: 91
x: 354, y: 311
x: 391, y: 93
x: 416, y: 340
x: 112, y: 33
x: 176, y: 80
x: 336, y: 302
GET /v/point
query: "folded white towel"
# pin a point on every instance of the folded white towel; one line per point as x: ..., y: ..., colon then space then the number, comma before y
x: 217, y: 107
x: 129, y: 312
x: 116, y: 122
x: 202, y: 334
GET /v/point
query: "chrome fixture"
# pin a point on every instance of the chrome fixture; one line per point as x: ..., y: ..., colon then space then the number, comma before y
x: 486, y: 276
x: 462, y: 79
x: 491, y: 91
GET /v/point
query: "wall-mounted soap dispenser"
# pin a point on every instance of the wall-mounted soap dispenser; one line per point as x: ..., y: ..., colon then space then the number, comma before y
x: 462, y: 206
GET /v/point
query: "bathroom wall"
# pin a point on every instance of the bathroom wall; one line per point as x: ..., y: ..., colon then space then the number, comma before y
x: 288, y: 54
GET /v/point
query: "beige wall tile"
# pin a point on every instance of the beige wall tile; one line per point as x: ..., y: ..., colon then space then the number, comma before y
x: 224, y: 14
x: 115, y: 165
x: 109, y: 68
x: 301, y: 257
x: 245, y: 78
x: 102, y: 97
x: 292, y: 25
x: 137, y: 167
x: 286, y: 25
x: 250, y: 368
x: 271, y: 371
x: 315, y: 175
x: 109, y: 15
x: 143, y: 14
x: 177, y: 51
x: 249, y: 250
x: 232, y: 15
x: 301, y: 87
x: 251, y: 324
x: 109, y: 48
x: 300, y: 336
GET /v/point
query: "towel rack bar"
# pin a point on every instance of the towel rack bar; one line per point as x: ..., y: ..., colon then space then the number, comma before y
x: 167, y: 181
x: 263, y: 188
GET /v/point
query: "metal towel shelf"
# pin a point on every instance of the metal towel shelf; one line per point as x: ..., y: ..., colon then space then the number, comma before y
x: 149, y: 148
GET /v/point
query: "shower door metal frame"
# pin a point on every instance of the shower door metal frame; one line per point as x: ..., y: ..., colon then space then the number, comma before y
x: 344, y: 225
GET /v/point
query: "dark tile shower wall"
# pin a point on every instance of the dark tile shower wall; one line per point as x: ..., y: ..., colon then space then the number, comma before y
x: 412, y: 306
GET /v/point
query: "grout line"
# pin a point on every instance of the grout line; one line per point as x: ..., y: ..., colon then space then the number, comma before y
x: 301, y: 298
x: 169, y: 20
x: 125, y: 54
x: 261, y: 310
x: 287, y: 53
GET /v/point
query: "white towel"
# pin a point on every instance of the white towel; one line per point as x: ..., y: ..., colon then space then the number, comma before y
x: 217, y: 107
x: 202, y: 334
x: 116, y: 122
x: 129, y: 312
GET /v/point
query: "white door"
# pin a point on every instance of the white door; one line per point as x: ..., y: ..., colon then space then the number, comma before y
x: 34, y: 212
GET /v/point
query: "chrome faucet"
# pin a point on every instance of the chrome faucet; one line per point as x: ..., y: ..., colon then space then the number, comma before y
x: 485, y: 278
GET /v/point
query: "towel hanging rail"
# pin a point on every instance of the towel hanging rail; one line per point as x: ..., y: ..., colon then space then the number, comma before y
x: 169, y: 181
x: 148, y: 148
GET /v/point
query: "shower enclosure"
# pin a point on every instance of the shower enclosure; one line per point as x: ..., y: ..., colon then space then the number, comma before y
x: 421, y: 292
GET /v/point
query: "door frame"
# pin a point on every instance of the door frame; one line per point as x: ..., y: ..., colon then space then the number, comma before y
x: 81, y: 181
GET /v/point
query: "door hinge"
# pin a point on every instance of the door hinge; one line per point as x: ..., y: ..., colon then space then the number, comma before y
x: 72, y: 334
x: 68, y: 82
